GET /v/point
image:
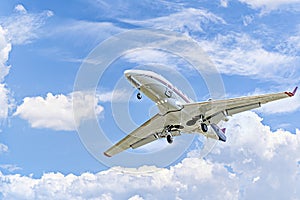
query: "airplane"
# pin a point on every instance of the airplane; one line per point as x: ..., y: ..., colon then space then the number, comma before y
x: 180, y: 114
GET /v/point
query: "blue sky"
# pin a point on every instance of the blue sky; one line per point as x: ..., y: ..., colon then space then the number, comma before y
x: 253, y: 44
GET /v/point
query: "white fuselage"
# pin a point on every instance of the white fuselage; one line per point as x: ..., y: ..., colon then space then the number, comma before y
x: 166, y: 96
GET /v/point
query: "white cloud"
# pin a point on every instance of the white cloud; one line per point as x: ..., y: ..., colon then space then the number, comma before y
x: 269, y: 4
x: 245, y: 131
x: 148, y: 56
x: 21, y: 9
x: 282, y: 106
x: 182, y: 181
x: 253, y: 151
x: 10, y: 167
x: 239, y: 54
x: 224, y: 3
x: 117, y: 95
x: 136, y: 197
x: 157, y: 59
x: 189, y: 19
x: 23, y: 27
x: 3, y: 148
x: 5, y: 100
x: 248, y: 19
x: 260, y: 161
x: 56, y: 111
x: 5, y: 48
x: 291, y: 45
x: 86, y: 30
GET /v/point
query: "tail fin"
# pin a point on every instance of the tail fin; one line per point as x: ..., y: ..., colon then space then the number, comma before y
x: 292, y: 93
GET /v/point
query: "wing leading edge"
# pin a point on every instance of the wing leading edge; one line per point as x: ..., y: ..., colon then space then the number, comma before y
x: 229, y: 107
x: 146, y: 133
x: 145, y: 130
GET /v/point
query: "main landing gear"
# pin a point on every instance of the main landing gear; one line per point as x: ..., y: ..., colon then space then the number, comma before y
x: 204, y: 127
x: 169, y: 139
x: 139, y: 96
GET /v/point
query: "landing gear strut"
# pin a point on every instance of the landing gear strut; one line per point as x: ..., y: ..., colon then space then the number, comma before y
x: 139, y: 96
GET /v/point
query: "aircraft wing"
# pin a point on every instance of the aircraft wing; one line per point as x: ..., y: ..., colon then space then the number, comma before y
x: 143, y: 134
x: 215, y: 111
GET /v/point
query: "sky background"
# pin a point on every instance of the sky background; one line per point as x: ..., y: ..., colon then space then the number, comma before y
x: 253, y: 44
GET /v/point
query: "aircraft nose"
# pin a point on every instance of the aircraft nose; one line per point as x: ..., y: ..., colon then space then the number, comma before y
x: 131, y: 72
x: 127, y: 73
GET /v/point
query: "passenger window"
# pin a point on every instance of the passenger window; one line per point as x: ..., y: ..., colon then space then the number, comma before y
x: 168, y: 93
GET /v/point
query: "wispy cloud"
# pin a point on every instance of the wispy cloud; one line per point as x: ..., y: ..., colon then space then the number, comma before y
x: 117, y: 95
x: 269, y: 5
x: 185, y: 20
x: 10, y: 167
x: 23, y: 27
x: 3, y: 148
x: 240, y: 54
x: 158, y: 59
x: 85, y: 30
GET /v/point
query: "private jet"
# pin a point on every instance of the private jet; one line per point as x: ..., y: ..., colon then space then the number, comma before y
x: 180, y: 114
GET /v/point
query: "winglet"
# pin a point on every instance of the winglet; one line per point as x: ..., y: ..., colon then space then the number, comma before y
x: 290, y: 94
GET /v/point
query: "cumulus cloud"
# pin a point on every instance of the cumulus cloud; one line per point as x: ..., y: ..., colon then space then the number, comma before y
x: 262, y: 159
x: 181, y: 181
x: 239, y: 54
x: 5, y: 48
x: 23, y: 27
x: 56, y: 111
x: 5, y: 99
x: 4, y: 102
x: 253, y: 160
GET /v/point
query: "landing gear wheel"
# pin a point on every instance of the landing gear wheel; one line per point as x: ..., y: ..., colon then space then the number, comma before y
x: 139, y: 96
x: 170, y: 139
x: 204, y: 127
